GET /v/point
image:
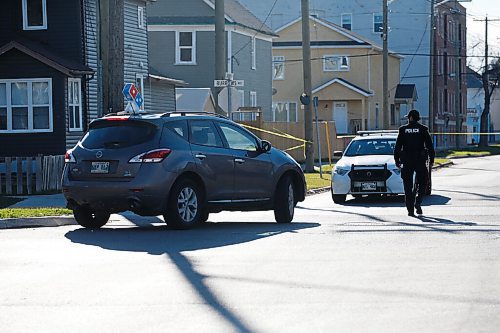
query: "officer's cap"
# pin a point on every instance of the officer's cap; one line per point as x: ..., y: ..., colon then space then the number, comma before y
x: 414, y: 114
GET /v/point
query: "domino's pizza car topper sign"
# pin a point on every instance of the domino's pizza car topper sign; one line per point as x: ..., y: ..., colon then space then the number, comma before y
x: 134, y: 97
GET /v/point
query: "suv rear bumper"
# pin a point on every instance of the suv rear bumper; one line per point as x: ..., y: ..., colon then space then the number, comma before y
x: 146, y: 194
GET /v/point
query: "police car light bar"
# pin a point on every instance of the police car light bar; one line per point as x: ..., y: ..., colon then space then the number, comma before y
x: 380, y: 132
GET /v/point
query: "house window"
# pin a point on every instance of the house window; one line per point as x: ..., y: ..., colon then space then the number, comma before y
x: 346, y: 21
x: 377, y: 115
x: 393, y: 114
x: 25, y: 106
x: 185, y: 47
x: 278, y: 68
x: 75, y: 105
x: 34, y: 14
x: 335, y: 63
x: 254, y: 51
x: 253, y: 98
x: 378, y: 22
x: 285, y: 112
x: 140, y: 18
x: 241, y: 94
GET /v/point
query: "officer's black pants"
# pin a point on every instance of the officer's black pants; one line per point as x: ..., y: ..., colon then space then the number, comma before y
x: 421, y: 179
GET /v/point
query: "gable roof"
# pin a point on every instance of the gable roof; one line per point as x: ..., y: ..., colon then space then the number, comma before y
x: 344, y: 83
x: 474, y: 79
x: 235, y: 13
x: 193, y: 99
x: 406, y: 92
x: 356, y: 39
x: 38, y: 52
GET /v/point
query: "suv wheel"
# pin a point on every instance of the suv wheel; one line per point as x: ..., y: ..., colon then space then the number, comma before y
x: 185, y: 205
x: 88, y: 218
x: 339, y: 198
x: 284, y: 202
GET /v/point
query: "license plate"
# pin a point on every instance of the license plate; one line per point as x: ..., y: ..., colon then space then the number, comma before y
x: 99, y: 167
x: 368, y: 186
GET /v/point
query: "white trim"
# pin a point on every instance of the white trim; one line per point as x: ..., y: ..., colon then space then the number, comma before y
x: 338, y: 29
x: 229, y: 65
x: 253, y: 99
x: 193, y: 27
x: 373, y: 23
x: 140, y: 18
x: 273, y: 107
x: 25, y: 16
x: 178, y: 48
x: 212, y: 5
x: 29, y: 82
x: 281, y: 60
x: 342, y: 24
x: 336, y: 80
x: 253, y: 52
x: 339, y: 67
x: 72, y: 105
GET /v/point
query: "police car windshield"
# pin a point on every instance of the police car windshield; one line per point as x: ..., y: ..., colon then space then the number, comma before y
x: 371, y: 147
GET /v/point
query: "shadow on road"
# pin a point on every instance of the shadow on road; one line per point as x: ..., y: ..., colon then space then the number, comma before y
x: 394, y: 201
x: 479, y: 195
x: 159, y: 240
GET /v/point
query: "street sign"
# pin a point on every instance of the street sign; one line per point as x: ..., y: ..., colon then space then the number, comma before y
x: 237, y: 83
x: 220, y: 83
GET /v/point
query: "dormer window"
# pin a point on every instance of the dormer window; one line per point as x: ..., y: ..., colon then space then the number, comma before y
x: 34, y: 14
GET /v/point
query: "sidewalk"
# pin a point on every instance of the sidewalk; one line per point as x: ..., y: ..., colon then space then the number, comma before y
x: 32, y: 201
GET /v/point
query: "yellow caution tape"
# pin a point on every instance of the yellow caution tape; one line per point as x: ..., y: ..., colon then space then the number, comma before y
x: 284, y: 135
x: 451, y: 133
x: 296, y: 147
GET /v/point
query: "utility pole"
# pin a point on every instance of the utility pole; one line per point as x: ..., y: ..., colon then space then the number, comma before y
x: 431, y: 69
x: 220, y: 47
x: 306, y: 66
x: 385, y: 66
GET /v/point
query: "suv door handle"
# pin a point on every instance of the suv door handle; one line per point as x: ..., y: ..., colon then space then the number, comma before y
x: 200, y: 156
x: 239, y: 160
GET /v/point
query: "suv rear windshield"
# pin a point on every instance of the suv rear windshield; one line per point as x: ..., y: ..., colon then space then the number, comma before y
x: 118, y: 134
x: 371, y: 147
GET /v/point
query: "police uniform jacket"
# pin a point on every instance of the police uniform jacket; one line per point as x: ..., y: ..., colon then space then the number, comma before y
x: 414, y: 144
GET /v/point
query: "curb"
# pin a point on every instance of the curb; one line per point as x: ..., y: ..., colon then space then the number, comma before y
x: 468, y: 156
x: 37, y: 222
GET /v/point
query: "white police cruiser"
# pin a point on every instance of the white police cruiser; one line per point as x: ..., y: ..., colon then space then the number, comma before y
x: 367, y: 167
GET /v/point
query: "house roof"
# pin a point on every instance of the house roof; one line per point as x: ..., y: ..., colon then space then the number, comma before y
x: 406, y: 91
x: 193, y: 99
x: 355, y: 39
x: 346, y: 84
x: 154, y: 74
x: 236, y: 14
x: 474, y: 79
x: 38, y: 52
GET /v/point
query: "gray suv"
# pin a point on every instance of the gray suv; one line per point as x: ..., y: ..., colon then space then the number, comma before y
x: 179, y: 165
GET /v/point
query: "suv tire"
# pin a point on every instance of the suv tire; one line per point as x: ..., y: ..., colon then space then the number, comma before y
x: 339, y: 198
x: 88, y: 218
x: 185, y: 205
x: 284, y: 201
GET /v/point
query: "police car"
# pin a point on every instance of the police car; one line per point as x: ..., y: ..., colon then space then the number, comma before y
x: 367, y: 167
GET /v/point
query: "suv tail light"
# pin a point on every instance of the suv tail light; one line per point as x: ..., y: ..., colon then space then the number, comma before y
x: 152, y: 156
x: 69, y: 158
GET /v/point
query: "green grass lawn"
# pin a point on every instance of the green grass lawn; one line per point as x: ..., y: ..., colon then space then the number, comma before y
x: 493, y: 149
x: 314, y: 181
x: 6, y: 213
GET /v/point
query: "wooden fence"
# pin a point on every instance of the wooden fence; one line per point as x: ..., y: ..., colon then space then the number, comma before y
x: 28, y: 175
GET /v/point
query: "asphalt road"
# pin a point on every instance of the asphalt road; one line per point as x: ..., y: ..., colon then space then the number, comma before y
x: 361, y: 267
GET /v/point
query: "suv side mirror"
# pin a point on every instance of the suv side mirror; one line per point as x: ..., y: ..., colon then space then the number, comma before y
x: 265, y: 146
x: 338, y: 153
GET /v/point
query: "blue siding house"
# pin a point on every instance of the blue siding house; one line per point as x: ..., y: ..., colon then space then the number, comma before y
x: 182, y: 45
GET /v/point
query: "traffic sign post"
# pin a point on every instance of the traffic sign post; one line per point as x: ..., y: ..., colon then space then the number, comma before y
x: 229, y: 82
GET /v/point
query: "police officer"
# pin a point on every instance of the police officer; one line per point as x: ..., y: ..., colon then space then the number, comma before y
x: 413, y: 148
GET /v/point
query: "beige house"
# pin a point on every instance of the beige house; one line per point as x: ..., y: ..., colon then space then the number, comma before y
x: 346, y: 77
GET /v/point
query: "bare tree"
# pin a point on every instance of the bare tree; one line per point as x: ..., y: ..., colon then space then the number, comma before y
x: 491, y: 78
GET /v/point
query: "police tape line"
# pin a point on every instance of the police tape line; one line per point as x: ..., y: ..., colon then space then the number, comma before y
x: 444, y: 133
x: 282, y: 134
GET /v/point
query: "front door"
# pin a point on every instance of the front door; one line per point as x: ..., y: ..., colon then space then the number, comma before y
x: 340, y: 117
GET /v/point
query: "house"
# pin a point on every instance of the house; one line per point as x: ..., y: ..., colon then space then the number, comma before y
x: 44, y: 76
x: 182, y: 44
x: 409, y: 35
x: 56, y: 68
x: 475, y: 107
x: 346, y: 77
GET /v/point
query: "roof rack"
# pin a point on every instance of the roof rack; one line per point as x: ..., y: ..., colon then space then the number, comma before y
x: 185, y: 113
x: 377, y: 132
